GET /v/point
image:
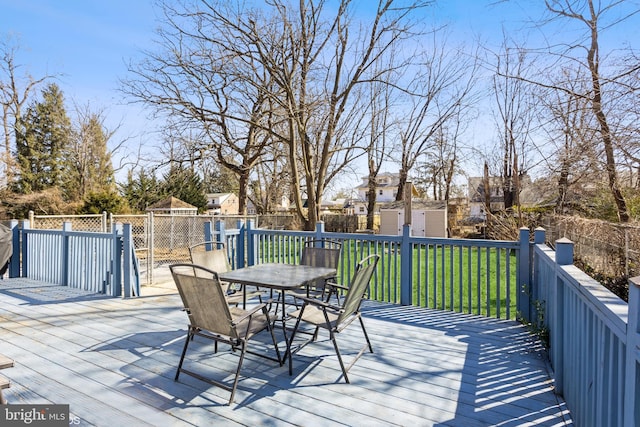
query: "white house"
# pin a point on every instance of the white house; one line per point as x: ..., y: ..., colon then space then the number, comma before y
x: 223, y: 203
x: 386, y: 191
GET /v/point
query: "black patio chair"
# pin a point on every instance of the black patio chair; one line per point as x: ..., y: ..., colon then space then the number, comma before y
x: 213, y: 256
x: 319, y: 253
x: 335, y: 318
x: 210, y: 316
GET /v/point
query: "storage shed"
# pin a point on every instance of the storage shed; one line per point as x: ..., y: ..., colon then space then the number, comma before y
x: 428, y: 219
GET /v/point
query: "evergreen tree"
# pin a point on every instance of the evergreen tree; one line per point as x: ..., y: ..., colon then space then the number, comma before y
x: 44, y: 134
x: 186, y: 185
x: 88, y: 159
x: 141, y: 190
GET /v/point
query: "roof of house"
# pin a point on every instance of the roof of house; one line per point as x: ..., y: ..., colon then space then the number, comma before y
x: 171, y: 203
x: 416, y: 205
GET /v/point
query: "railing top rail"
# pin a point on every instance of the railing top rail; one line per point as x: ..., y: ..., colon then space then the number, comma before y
x: 95, y: 234
x: 391, y: 238
x: 466, y: 242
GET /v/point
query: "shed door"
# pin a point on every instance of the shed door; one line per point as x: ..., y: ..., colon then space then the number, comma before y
x: 391, y: 222
x: 418, y: 224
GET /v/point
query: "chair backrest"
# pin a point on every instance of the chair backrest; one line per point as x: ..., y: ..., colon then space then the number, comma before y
x: 212, y: 255
x: 321, y: 253
x: 204, y: 298
x: 358, y: 286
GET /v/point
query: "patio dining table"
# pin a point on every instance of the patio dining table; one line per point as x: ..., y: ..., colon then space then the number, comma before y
x: 278, y: 277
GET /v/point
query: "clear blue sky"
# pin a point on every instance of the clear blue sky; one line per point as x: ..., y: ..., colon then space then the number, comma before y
x: 87, y: 45
x: 89, y: 42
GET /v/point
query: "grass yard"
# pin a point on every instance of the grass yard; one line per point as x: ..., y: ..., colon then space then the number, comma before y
x: 461, y: 278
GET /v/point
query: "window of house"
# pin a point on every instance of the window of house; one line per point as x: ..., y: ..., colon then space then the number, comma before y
x: 380, y: 192
x: 361, y: 209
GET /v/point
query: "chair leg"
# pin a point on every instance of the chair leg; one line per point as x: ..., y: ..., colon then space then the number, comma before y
x: 366, y: 336
x: 235, y: 381
x: 273, y: 338
x: 335, y: 345
x: 190, y: 336
x: 289, y: 353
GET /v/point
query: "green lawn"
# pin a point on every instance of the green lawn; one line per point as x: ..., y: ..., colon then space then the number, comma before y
x: 464, y: 279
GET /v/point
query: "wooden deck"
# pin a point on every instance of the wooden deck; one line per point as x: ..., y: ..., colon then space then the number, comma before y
x: 113, y: 361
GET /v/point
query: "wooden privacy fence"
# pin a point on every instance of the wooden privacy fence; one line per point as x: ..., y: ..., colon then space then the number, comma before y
x: 96, y: 262
x: 594, y: 338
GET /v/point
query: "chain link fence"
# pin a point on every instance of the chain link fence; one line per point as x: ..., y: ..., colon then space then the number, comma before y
x: 610, y: 252
x: 159, y: 240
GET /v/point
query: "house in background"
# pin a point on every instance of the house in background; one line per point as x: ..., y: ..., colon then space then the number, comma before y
x: 496, y: 195
x: 172, y: 206
x: 477, y: 196
x: 222, y: 203
x: 386, y: 191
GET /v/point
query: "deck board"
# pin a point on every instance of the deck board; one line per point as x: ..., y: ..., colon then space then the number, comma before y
x: 114, y: 359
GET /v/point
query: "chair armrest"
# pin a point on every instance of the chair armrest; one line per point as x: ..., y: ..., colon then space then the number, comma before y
x: 336, y: 286
x: 319, y: 303
x: 249, y: 313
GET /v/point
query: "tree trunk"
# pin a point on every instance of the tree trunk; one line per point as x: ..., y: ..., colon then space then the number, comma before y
x: 371, y: 199
x: 401, y: 184
x: 605, y: 131
x: 487, y: 191
x: 243, y: 184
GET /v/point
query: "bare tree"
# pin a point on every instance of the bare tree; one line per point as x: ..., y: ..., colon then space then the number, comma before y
x: 570, y: 149
x: 88, y: 157
x: 205, y: 77
x: 323, y: 56
x: 442, y: 88
x: 442, y: 160
x: 15, y: 91
x: 590, y: 15
x: 514, y: 111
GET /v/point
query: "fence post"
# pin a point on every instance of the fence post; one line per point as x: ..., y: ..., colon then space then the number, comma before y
x: 116, y: 287
x: 631, y: 416
x: 523, y: 294
x: 539, y: 236
x: 242, y: 237
x: 239, y: 246
x: 14, y: 266
x: 26, y: 225
x: 251, y: 247
x: 104, y: 221
x: 66, y: 227
x: 127, y: 259
x: 208, y: 232
x: 221, y: 235
x: 406, y: 276
x: 151, y: 247
x: 564, y: 256
x: 319, y: 230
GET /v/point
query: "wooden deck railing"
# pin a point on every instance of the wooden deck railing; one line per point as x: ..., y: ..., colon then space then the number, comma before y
x: 97, y: 262
x: 594, y: 338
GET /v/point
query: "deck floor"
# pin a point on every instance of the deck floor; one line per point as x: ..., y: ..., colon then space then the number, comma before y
x: 113, y: 361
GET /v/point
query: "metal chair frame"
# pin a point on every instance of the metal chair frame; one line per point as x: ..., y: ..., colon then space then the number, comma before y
x: 211, y: 317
